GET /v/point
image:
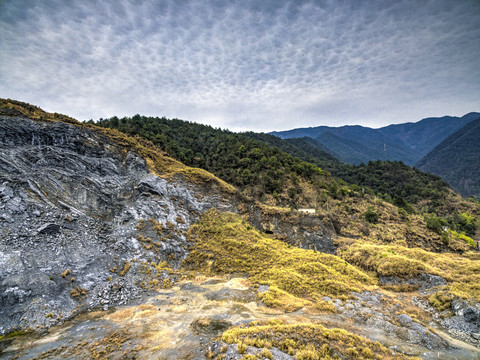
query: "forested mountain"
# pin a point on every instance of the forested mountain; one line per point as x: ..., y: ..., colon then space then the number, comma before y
x: 307, y: 149
x: 457, y: 160
x: 407, y: 142
x: 406, y: 187
x: 258, y: 169
x: 284, y: 172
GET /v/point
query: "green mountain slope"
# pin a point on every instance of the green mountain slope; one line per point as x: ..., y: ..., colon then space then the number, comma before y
x: 406, y: 187
x: 457, y: 160
x: 261, y: 171
x: 307, y: 149
x: 407, y: 142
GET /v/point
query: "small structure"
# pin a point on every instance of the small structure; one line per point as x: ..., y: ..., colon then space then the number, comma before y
x: 307, y: 211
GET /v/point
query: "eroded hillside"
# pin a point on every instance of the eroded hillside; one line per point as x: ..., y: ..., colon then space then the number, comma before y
x: 82, y: 214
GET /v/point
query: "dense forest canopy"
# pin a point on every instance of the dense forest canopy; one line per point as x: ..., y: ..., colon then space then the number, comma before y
x: 248, y: 163
x: 263, y: 164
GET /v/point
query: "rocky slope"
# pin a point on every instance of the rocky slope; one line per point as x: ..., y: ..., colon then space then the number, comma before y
x: 81, y: 215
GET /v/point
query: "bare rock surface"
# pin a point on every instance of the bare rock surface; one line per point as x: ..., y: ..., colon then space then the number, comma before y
x: 71, y: 202
x: 298, y: 229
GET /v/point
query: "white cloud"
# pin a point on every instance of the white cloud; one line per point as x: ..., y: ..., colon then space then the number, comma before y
x: 242, y: 65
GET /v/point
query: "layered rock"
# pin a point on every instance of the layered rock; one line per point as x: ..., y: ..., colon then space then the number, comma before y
x: 298, y: 229
x: 82, y: 220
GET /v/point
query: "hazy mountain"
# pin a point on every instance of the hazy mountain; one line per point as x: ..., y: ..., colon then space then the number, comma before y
x: 457, y: 159
x: 355, y: 147
x: 424, y: 135
x: 407, y: 142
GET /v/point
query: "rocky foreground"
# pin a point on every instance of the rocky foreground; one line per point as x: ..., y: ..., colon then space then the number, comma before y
x: 72, y: 205
x: 179, y: 323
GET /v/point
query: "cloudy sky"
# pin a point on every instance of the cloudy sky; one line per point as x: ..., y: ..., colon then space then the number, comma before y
x: 244, y: 65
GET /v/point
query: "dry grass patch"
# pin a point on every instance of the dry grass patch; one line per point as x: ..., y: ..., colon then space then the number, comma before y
x: 462, y: 271
x: 223, y: 244
x: 308, y: 341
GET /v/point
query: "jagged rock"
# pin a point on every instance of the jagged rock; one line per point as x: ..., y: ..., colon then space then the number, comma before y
x: 472, y: 316
x: 423, y: 282
x: 404, y: 320
x: 49, y: 229
x: 464, y: 322
x: 298, y: 229
x: 72, y: 201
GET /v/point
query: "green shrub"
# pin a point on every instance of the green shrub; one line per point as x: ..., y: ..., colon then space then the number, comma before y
x: 435, y: 223
x: 371, y: 216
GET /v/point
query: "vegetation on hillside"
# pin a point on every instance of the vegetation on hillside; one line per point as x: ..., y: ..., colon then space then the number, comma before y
x: 261, y: 171
x: 462, y: 272
x: 306, y: 341
x: 457, y: 160
x: 399, y: 184
x: 224, y: 244
x: 306, y: 148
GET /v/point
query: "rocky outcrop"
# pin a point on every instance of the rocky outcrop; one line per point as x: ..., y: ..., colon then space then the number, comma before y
x: 464, y: 322
x: 306, y: 231
x: 84, y: 223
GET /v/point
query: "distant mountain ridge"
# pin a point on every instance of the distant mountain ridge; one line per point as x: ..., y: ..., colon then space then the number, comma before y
x: 457, y: 159
x: 407, y: 142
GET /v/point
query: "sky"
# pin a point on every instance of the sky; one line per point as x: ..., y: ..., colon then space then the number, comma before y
x: 258, y: 65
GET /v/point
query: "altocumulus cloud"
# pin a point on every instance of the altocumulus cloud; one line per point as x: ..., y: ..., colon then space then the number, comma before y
x: 257, y: 65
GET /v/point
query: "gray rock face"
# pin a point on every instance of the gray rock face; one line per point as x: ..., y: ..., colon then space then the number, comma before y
x: 369, y: 309
x: 464, y: 322
x: 423, y: 282
x: 81, y: 222
x: 301, y: 230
